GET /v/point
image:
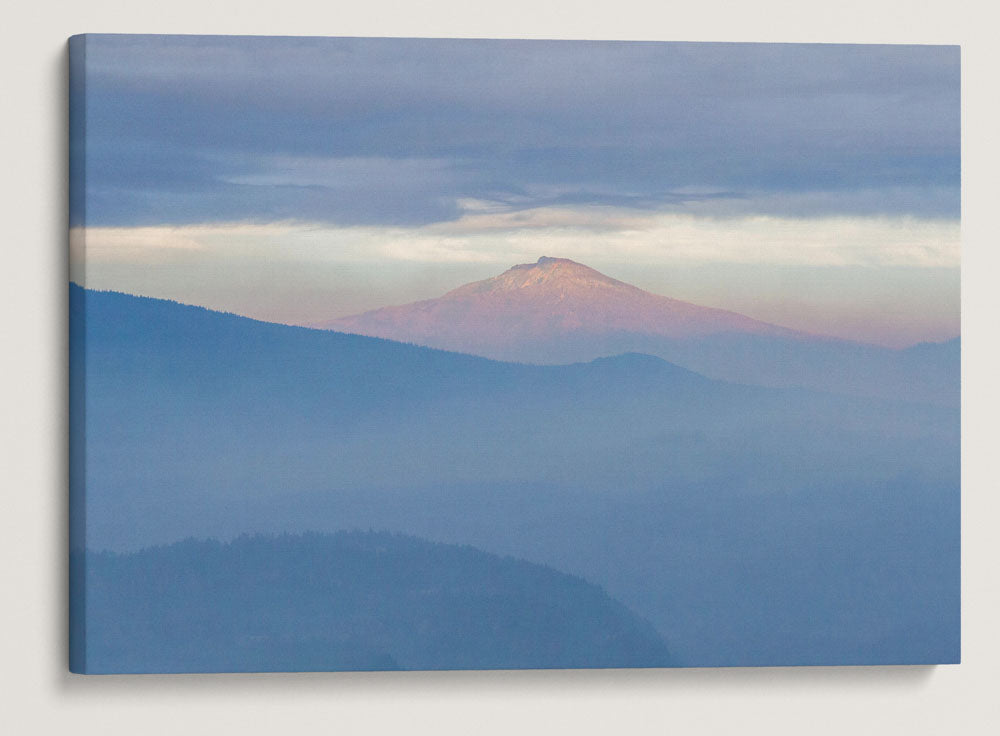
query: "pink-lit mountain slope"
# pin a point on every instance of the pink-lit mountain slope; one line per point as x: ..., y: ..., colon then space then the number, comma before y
x: 536, y: 303
x: 558, y: 311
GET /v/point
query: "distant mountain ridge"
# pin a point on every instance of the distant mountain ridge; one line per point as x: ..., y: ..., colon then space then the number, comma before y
x: 544, y: 299
x: 557, y: 311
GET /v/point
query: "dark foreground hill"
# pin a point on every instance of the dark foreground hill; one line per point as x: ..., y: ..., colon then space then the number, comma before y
x: 347, y: 601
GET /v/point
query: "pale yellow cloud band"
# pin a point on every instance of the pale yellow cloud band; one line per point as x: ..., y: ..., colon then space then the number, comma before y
x: 584, y: 234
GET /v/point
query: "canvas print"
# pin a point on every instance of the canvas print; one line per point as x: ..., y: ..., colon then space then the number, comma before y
x: 466, y: 354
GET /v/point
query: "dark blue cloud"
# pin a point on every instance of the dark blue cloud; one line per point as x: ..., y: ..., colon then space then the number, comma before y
x: 194, y: 129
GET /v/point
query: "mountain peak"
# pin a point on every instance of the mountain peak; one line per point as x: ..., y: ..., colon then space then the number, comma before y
x: 534, y: 304
x: 545, y: 260
x: 556, y: 276
x: 550, y: 263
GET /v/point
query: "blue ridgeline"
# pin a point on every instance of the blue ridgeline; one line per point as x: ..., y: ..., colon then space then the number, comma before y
x: 749, y: 525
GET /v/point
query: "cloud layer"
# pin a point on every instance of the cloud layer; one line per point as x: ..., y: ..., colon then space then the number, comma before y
x: 588, y: 234
x: 185, y: 130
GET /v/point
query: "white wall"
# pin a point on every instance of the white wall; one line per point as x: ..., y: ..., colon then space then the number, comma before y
x: 36, y: 693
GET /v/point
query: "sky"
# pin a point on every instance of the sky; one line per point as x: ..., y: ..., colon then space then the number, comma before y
x: 302, y: 179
